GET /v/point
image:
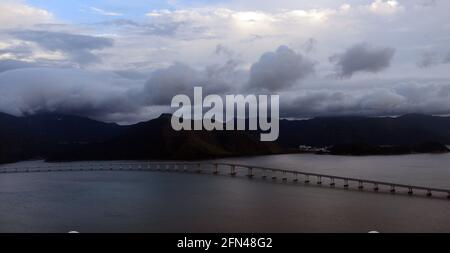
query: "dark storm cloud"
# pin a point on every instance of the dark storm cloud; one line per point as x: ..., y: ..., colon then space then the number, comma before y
x: 78, y: 47
x: 447, y: 58
x: 279, y: 70
x: 381, y: 98
x: 68, y: 91
x: 19, y: 51
x: 426, y: 3
x: 180, y: 79
x: 310, y: 45
x: 132, y: 74
x: 223, y: 50
x: 6, y: 65
x: 23, y: 51
x: 165, y: 83
x: 313, y: 103
x: 428, y: 59
x: 433, y: 58
x: 64, y: 41
x: 362, y: 58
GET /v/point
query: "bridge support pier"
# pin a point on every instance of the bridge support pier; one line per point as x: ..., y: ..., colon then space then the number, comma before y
x: 199, y: 168
x: 319, y: 180
x: 284, y: 176
x: 264, y: 176
x: 360, y: 185
x: 392, y: 189
x: 274, y: 175
x: 233, y: 170
x: 296, y: 178
x: 410, y: 191
x: 250, y: 173
x: 346, y: 185
x: 332, y: 183
x: 216, y: 169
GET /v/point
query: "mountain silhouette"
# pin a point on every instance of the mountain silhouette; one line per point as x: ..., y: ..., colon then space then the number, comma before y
x: 61, y: 137
x: 410, y: 129
x: 57, y: 137
x: 155, y: 139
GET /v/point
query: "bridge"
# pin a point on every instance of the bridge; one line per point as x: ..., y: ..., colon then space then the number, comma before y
x: 249, y: 171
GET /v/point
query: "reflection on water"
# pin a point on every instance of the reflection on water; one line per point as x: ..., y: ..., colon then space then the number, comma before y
x: 172, y: 202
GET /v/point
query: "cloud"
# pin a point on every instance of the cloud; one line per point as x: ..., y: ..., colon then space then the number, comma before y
x: 78, y: 47
x: 362, y: 58
x: 132, y: 74
x: 385, y: 7
x: 16, y: 51
x: 216, y: 23
x: 164, y: 28
x: 99, y: 95
x: 310, y: 45
x: 433, y: 58
x: 426, y: 3
x: 180, y: 79
x: 329, y: 102
x: 104, y: 12
x: 223, y: 50
x: 279, y: 70
x: 232, y: 39
x: 6, y: 65
x: 428, y: 59
x: 16, y: 14
x: 447, y: 58
x: 380, y: 98
x: 165, y: 83
x: 108, y: 97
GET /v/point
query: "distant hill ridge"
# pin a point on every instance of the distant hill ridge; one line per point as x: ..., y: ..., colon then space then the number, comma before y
x: 409, y: 129
x: 64, y: 137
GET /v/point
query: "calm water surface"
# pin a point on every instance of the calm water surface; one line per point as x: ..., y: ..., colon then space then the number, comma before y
x: 175, y: 202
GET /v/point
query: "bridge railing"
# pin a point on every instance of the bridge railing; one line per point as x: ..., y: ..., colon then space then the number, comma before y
x: 332, y: 179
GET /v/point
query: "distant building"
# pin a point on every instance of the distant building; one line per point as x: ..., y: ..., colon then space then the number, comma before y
x: 310, y: 149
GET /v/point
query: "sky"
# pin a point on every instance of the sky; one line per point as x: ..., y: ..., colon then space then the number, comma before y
x: 123, y: 61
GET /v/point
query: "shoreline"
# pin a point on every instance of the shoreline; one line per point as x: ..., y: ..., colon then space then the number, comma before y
x: 226, y: 157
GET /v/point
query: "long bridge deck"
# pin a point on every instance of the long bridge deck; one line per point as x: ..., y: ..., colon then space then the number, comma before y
x: 232, y: 169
